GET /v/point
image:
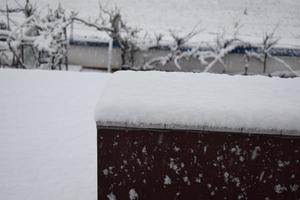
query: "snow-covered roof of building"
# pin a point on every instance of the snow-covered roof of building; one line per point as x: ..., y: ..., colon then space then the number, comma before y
x: 201, y: 101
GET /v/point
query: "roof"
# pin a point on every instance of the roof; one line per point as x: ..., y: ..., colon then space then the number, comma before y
x: 201, y: 101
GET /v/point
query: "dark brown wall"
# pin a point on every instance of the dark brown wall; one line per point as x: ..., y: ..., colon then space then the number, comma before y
x: 201, y: 165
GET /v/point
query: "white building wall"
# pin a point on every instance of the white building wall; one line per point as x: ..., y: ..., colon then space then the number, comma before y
x: 97, y: 57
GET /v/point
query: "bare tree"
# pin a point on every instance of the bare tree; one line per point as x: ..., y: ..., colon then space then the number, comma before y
x: 268, y: 42
x: 177, y: 50
x: 28, y: 9
x: 111, y: 22
x: 264, y: 53
x: 222, y: 47
x: 207, y: 56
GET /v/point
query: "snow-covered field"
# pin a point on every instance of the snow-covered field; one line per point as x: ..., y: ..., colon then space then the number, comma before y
x: 48, y: 134
x: 154, y: 16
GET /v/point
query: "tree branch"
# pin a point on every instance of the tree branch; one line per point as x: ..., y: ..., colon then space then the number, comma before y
x: 99, y: 28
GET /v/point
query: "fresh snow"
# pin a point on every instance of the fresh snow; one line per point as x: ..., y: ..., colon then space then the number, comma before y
x: 202, y: 100
x: 133, y: 195
x: 48, y: 134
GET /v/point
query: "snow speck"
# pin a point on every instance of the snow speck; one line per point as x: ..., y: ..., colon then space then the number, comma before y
x: 261, y: 176
x: 294, y: 187
x: 220, y: 158
x: 255, y: 153
x: 174, y: 166
x: 111, y: 196
x: 144, y: 150
x: 198, y: 179
x: 182, y: 165
x: 204, y: 149
x: 237, y: 181
x: 176, y: 149
x: 280, y: 188
x: 283, y: 163
x: 293, y: 176
x: 186, y: 180
x: 241, y: 159
x: 167, y: 180
x: 133, y: 195
x: 108, y: 171
x: 226, y: 176
x: 105, y: 172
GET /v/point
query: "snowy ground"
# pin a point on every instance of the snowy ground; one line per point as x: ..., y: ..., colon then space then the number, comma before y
x: 47, y: 129
x: 48, y: 134
x: 154, y: 16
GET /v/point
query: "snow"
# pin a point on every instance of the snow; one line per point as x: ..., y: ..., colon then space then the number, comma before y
x: 167, y: 180
x: 255, y: 153
x: 132, y: 194
x: 200, y: 101
x: 294, y: 187
x: 279, y: 188
x: 48, y: 135
x: 111, y: 196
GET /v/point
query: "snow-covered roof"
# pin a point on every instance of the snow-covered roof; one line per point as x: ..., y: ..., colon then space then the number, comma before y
x: 201, y: 101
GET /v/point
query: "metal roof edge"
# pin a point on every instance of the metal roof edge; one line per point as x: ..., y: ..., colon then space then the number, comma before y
x: 282, y: 132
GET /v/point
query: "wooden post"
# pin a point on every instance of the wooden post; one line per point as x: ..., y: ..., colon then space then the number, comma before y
x: 110, y: 46
x: 265, y: 63
x: 72, y: 30
x: 7, y: 16
x: 66, y: 46
x: 22, y: 46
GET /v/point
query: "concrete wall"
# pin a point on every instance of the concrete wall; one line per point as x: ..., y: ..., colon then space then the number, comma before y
x: 97, y: 57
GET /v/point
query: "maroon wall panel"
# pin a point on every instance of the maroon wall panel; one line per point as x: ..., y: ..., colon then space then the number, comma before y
x: 197, y: 165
